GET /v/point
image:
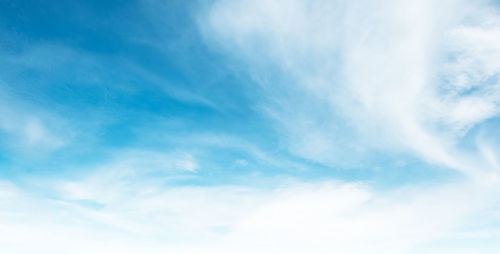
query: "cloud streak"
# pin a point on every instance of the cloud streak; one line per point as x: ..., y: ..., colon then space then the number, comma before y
x: 398, y: 75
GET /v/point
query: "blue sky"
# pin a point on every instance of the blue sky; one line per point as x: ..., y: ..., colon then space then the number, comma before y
x: 219, y: 126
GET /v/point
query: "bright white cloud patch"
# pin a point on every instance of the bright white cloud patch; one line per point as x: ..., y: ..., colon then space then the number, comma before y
x: 414, y: 75
x: 130, y: 216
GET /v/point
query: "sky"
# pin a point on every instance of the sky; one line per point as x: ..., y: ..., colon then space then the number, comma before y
x: 250, y: 126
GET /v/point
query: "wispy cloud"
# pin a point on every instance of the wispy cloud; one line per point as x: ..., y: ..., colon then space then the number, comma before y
x: 355, y: 75
x: 31, y: 131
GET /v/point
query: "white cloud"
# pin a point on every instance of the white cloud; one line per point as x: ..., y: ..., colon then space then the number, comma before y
x: 137, y: 216
x: 116, y: 177
x: 345, y: 77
